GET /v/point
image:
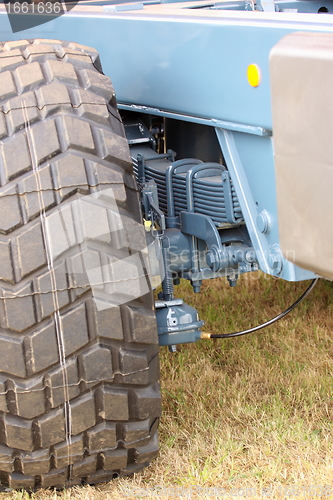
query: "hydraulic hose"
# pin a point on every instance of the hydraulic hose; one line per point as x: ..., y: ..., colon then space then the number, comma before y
x: 205, y: 335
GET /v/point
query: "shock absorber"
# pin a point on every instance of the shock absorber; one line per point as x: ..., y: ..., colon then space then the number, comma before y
x: 167, y: 283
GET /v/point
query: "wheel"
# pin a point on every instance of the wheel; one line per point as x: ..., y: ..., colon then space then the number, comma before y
x: 79, y: 369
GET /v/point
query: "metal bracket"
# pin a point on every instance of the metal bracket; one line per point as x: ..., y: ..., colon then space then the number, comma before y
x: 202, y: 227
x: 218, y: 256
x: 150, y: 203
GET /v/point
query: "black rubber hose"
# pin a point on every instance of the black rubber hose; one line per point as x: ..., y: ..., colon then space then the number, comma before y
x: 271, y: 321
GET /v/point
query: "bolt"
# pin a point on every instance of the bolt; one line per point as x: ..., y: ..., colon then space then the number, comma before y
x: 232, y: 281
x: 196, y: 284
x: 250, y: 256
x: 273, y: 261
x: 210, y: 259
x: 264, y: 222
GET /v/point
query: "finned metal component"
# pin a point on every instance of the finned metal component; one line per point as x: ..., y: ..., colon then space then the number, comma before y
x: 195, y: 211
x: 189, y: 185
x: 144, y: 164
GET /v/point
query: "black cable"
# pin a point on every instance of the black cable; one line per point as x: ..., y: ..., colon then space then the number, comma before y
x: 271, y: 321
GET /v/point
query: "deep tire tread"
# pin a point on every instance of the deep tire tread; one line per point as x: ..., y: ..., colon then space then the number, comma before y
x: 57, y: 89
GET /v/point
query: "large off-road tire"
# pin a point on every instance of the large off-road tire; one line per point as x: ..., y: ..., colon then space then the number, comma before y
x: 79, y: 393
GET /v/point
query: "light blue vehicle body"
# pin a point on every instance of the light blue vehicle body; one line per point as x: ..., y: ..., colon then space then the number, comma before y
x: 189, y: 62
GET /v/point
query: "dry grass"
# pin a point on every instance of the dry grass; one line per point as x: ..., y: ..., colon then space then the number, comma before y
x: 246, y: 414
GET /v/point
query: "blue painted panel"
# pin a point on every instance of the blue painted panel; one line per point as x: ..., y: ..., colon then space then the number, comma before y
x: 193, y: 63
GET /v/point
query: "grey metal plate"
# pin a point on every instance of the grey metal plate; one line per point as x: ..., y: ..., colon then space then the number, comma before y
x: 301, y: 70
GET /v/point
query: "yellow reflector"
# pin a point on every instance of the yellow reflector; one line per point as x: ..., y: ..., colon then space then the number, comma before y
x: 253, y: 75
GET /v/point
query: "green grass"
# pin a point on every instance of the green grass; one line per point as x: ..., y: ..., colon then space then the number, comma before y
x: 252, y: 412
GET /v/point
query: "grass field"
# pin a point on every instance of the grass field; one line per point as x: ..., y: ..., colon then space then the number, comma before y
x: 250, y: 417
